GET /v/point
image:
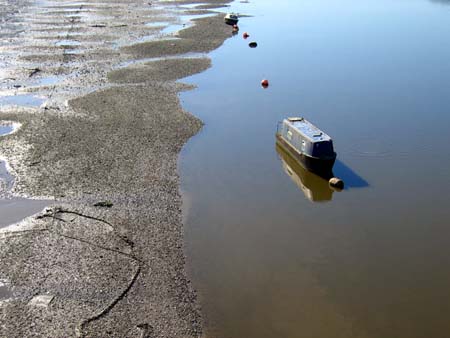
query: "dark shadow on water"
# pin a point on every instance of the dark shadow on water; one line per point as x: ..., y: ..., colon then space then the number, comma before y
x: 350, y: 178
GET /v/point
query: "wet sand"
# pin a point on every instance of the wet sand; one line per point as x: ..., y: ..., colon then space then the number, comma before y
x: 105, y: 259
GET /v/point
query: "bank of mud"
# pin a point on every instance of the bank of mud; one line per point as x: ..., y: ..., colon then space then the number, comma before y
x: 105, y: 259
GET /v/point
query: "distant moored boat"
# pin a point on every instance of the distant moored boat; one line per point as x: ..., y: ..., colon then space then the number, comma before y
x: 231, y: 19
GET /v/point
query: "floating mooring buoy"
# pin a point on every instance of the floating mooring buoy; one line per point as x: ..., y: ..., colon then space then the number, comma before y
x: 336, y: 183
x: 235, y: 28
x: 265, y: 83
x: 253, y: 44
x: 245, y: 35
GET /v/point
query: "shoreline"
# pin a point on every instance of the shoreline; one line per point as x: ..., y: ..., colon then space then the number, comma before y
x: 106, y: 258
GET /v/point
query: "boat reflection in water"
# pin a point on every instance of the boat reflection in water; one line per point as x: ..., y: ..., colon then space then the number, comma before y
x: 315, y: 187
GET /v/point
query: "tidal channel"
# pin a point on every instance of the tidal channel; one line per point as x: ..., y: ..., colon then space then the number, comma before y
x: 272, y: 252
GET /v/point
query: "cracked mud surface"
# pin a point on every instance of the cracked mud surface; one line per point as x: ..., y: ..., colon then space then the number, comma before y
x: 109, y: 135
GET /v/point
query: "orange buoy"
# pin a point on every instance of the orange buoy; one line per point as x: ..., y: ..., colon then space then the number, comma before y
x: 245, y: 35
x: 265, y: 83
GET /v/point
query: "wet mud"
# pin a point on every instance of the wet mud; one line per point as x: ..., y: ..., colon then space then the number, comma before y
x: 105, y: 259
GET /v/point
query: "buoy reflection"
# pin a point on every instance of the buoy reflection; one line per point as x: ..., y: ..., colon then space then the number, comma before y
x: 315, y: 188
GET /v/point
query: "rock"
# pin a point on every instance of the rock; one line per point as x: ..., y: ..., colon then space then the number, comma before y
x: 104, y: 204
x: 41, y: 300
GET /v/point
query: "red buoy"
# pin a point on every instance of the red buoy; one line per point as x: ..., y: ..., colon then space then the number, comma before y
x: 245, y: 35
x: 265, y: 83
x: 235, y: 28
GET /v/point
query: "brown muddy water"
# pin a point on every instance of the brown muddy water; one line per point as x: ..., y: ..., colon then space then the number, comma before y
x: 277, y: 255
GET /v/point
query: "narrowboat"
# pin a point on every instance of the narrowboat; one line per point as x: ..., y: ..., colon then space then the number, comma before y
x: 307, y: 144
x: 231, y: 19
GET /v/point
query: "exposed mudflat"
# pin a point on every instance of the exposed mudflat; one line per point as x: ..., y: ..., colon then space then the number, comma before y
x: 105, y: 259
x: 206, y: 35
x: 163, y: 70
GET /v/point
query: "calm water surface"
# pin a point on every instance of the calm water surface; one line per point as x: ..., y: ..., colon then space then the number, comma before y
x: 271, y: 252
x: 6, y: 129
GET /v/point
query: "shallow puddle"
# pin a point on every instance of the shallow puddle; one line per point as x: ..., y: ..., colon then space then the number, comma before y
x: 172, y: 29
x: 193, y: 6
x: 6, y: 129
x: 16, y: 209
x: 5, y: 290
x: 63, y: 43
x: 6, y: 179
x: 190, y: 17
x: 26, y: 100
x: 157, y: 24
x: 186, y: 21
x: 48, y: 81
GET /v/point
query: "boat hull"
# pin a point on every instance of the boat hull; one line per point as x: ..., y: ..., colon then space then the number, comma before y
x: 322, y: 167
x: 230, y: 21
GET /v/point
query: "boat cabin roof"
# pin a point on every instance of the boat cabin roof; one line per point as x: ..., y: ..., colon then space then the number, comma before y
x: 307, y: 129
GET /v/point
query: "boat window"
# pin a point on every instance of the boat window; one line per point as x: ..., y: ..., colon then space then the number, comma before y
x: 289, y: 135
